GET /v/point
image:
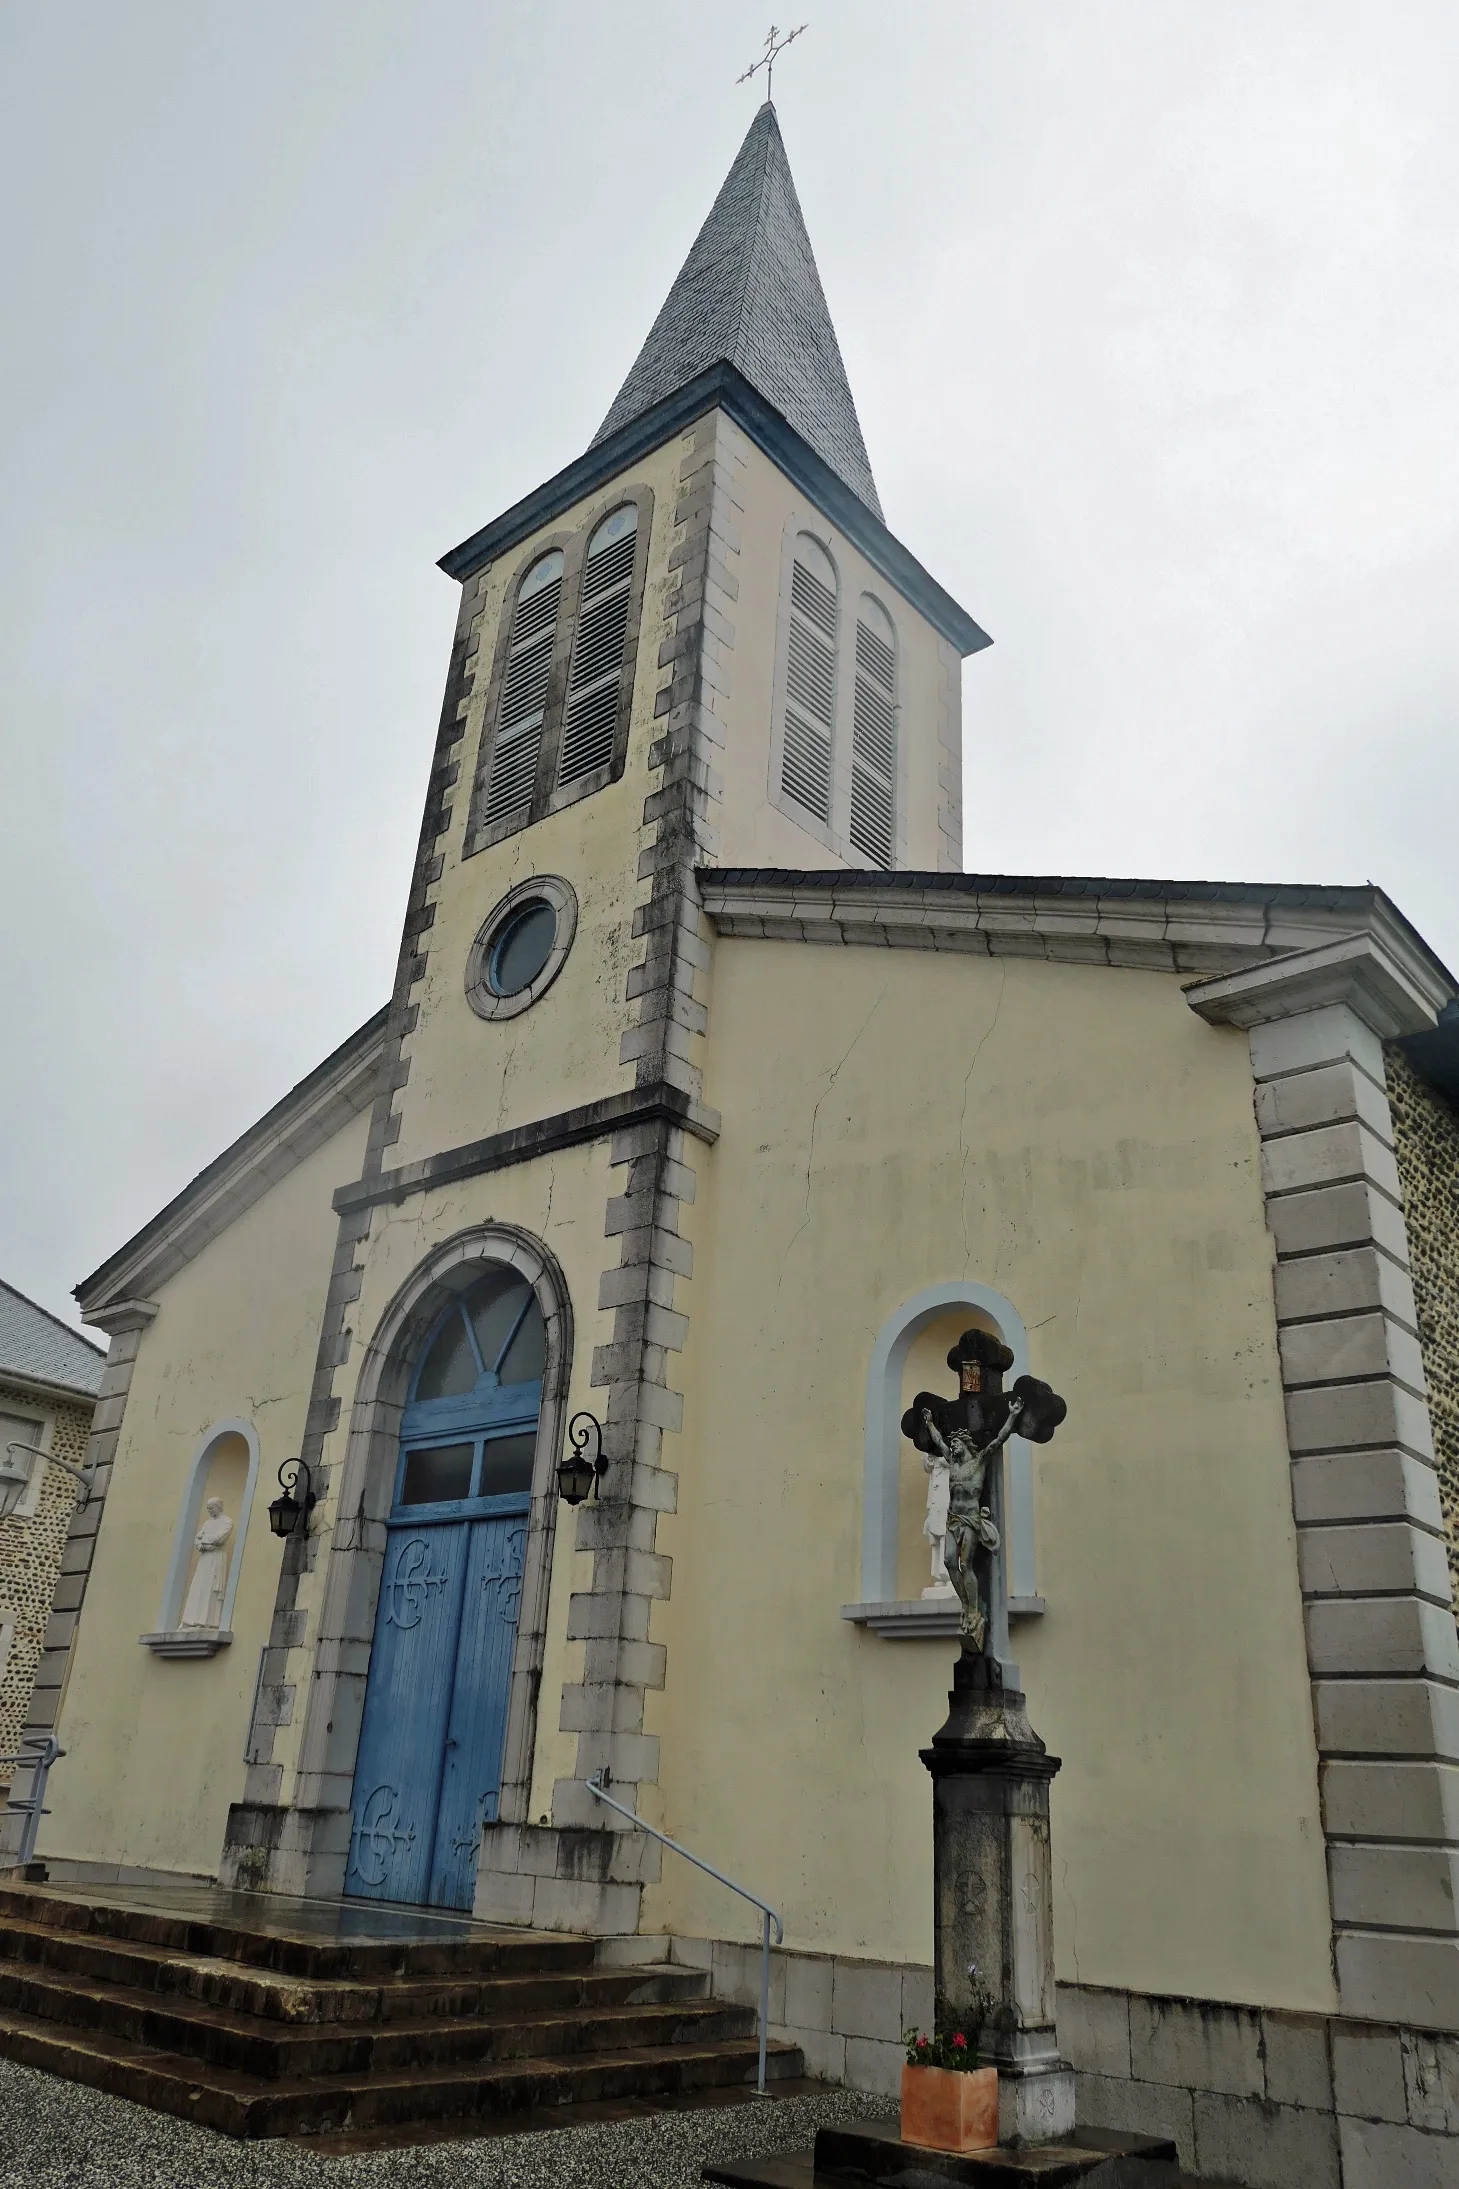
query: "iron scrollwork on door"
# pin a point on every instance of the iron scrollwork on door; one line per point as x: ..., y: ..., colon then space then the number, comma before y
x: 406, y: 1591
x: 503, y: 1569
x: 468, y: 1845
x: 377, y: 1836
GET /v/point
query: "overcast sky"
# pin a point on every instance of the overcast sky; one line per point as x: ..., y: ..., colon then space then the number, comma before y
x: 1149, y: 309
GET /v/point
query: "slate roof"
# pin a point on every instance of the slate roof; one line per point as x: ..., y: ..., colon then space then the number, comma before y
x: 34, y: 1345
x: 749, y: 295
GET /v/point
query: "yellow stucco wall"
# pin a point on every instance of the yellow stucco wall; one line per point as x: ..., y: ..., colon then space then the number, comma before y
x: 1077, y: 1139
x: 154, y: 1747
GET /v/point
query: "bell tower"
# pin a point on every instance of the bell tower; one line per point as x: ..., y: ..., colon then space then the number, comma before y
x: 698, y: 645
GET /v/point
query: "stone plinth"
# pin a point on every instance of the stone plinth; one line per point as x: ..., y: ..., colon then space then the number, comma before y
x: 871, y: 2155
x: 993, y: 1897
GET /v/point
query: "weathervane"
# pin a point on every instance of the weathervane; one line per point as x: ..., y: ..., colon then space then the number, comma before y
x: 774, y: 46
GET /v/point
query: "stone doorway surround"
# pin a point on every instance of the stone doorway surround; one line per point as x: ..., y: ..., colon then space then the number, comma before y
x: 304, y: 1847
x: 1382, y: 1648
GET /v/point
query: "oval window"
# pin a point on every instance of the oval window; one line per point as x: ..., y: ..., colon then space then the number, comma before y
x: 519, y: 952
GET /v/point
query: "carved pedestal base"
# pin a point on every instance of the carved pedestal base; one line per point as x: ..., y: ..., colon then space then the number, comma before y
x: 1035, y: 2105
x: 993, y: 1898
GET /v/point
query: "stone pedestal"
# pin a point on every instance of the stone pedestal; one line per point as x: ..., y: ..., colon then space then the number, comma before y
x: 993, y: 1897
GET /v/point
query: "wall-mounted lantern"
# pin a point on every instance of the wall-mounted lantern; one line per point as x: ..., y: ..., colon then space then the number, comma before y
x: 582, y: 1469
x: 287, y: 1512
x: 15, y: 1474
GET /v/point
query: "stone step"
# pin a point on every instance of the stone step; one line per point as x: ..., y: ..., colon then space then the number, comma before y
x: 213, y: 1981
x: 793, y: 2173
x: 271, y: 2050
x: 245, y: 1928
x: 242, y: 2105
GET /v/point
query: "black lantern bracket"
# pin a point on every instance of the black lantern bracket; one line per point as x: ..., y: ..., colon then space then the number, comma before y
x: 289, y: 1514
x: 580, y: 1470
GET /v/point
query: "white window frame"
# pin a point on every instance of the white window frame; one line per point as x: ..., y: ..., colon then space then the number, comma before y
x: 18, y: 1410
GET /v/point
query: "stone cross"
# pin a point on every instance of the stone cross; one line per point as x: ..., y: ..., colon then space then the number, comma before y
x: 962, y: 1436
x: 993, y: 1896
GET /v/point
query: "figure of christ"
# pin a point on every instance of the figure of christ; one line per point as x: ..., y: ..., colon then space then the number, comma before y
x: 206, y: 1590
x: 958, y: 1439
x: 934, y: 1527
x: 972, y: 1539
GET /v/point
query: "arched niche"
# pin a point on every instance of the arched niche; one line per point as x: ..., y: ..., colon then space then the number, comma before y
x: 225, y: 1465
x: 885, y: 1444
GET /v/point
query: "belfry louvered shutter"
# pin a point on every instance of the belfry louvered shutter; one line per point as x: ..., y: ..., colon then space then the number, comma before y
x: 874, y: 735
x: 523, y: 705
x: 595, y: 680
x: 810, y: 680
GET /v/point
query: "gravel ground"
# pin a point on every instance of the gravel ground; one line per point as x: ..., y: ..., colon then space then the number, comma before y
x: 57, y: 2135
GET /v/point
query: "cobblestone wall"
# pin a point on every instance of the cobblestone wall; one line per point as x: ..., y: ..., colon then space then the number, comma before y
x: 1426, y: 1141
x: 30, y: 1558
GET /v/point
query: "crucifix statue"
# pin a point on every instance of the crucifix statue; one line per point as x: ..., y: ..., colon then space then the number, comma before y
x: 775, y: 45
x: 992, y: 1866
x: 959, y: 1439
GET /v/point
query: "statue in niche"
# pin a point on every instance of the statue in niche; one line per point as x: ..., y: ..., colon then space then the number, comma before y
x: 209, y: 1584
x: 959, y: 1438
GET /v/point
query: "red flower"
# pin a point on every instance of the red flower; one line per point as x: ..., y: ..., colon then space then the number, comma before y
x: 960, y: 2042
x: 921, y: 2041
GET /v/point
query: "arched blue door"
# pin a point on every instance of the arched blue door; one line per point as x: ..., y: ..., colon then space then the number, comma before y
x: 428, y: 1771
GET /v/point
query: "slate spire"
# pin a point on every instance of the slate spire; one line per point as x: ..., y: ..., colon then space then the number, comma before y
x: 749, y: 294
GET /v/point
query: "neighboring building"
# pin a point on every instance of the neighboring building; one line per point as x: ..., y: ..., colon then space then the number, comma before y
x: 49, y: 1380
x: 714, y: 1094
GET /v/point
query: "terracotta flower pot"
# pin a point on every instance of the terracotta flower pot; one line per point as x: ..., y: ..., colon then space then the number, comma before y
x: 949, y: 2108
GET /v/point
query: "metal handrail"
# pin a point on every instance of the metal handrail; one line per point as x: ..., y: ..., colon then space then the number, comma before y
x: 596, y: 1787
x: 40, y: 1751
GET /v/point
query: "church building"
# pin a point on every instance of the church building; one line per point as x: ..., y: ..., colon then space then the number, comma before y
x: 718, y: 1094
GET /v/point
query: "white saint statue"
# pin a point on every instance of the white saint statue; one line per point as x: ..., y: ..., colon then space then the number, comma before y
x: 934, y: 1527
x: 206, y: 1590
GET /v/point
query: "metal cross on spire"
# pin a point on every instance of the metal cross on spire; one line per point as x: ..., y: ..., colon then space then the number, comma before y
x: 775, y: 45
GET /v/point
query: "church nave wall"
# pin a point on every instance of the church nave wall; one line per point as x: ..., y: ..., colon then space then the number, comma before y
x: 1074, y: 1138
x: 155, y: 1746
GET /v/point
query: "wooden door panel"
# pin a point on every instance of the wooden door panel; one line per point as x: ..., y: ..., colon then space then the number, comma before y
x: 407, y: 1710
x: 476, y: 1734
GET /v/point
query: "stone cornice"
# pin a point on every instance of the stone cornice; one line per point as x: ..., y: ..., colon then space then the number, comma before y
x: 117, y: 1316
x: 1192, y: 928
x: 599, y: 1120
x: 723, y: 388
x: 1387, y: 983
x: 308, y: 1115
